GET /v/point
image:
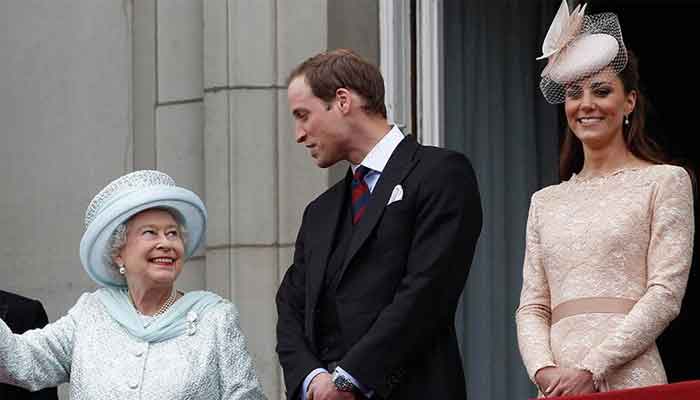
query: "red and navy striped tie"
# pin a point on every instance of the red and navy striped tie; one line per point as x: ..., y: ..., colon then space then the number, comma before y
x: 360, y: 193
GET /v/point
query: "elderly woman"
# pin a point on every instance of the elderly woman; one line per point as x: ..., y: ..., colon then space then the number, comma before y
x: 137, y: 337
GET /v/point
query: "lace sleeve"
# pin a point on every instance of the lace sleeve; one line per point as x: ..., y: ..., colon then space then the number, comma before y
x: 668, y: 263
x: 533, y: 317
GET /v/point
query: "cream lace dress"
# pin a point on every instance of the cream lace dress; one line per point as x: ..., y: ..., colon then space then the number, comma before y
x: 624, y: 236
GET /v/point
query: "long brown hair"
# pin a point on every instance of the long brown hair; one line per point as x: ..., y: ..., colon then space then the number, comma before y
x: 636, y: 137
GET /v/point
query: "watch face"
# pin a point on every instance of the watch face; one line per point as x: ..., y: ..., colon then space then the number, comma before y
x: 343, y: 384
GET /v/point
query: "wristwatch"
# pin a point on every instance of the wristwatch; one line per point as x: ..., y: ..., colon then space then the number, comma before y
x: 342, y: 383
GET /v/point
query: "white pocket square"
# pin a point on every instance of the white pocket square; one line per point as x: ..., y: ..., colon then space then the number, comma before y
x: 396, y: 195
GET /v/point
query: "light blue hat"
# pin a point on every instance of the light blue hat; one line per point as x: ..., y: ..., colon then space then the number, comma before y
x: 125, y: 197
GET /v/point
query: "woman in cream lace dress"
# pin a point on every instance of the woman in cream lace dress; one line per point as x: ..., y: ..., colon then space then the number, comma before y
x: 608, y: 250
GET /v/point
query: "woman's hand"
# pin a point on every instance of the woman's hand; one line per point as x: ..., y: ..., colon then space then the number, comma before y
x: 546, y: 379
x: 571, y: 381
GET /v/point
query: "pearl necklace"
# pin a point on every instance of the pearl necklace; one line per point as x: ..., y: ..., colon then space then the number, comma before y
x: 169, y: 302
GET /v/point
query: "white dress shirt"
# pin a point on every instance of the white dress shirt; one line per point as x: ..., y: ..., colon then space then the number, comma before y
x: 378, y: 157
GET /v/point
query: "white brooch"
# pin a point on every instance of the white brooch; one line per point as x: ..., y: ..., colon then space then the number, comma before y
x: 191, y: 323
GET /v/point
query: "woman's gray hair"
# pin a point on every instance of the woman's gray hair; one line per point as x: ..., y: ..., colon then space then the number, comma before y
x: 117, y: 241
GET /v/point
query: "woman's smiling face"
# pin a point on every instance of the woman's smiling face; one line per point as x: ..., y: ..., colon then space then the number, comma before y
x: 154, y: 249
x: 596, y: 107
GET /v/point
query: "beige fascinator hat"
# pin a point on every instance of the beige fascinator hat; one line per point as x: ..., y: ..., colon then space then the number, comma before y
x: 578, y: 46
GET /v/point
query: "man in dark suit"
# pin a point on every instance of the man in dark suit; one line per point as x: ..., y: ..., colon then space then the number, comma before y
x: 367, y: 308
x: 22, y: 314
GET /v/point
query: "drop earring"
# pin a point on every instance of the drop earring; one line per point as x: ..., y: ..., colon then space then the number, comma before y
x: 627, y: 120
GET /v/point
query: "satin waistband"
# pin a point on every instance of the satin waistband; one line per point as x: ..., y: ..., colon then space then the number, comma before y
x: 586, y: 305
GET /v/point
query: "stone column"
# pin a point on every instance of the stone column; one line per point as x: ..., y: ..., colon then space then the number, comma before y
x: 168, y: 117
x: 257, y: 180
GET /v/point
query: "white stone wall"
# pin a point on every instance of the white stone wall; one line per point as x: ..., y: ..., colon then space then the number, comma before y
x: 64, y: 133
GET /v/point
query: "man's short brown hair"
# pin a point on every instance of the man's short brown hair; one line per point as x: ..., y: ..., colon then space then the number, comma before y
x: 342, y: 68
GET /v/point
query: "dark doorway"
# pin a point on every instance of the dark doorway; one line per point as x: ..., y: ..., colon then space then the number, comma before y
x: 664, y: 36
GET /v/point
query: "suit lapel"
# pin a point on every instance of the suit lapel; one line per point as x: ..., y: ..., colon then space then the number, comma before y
x: 400, y: 164
x: 332, y: 208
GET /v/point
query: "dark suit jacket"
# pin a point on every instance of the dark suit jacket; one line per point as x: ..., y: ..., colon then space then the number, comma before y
x: 399, y: 286
x: 22, y: 314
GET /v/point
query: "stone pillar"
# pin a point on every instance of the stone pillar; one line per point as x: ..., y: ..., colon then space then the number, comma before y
x: 168, y: 116
x: 257, y: 180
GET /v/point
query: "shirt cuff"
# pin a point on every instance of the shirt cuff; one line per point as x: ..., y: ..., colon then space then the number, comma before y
x: 308, y: 380
x: 364, y: 389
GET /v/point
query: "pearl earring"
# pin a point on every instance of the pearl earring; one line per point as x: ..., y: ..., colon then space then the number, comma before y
x: 627, y: 120
x: 122, y: 270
